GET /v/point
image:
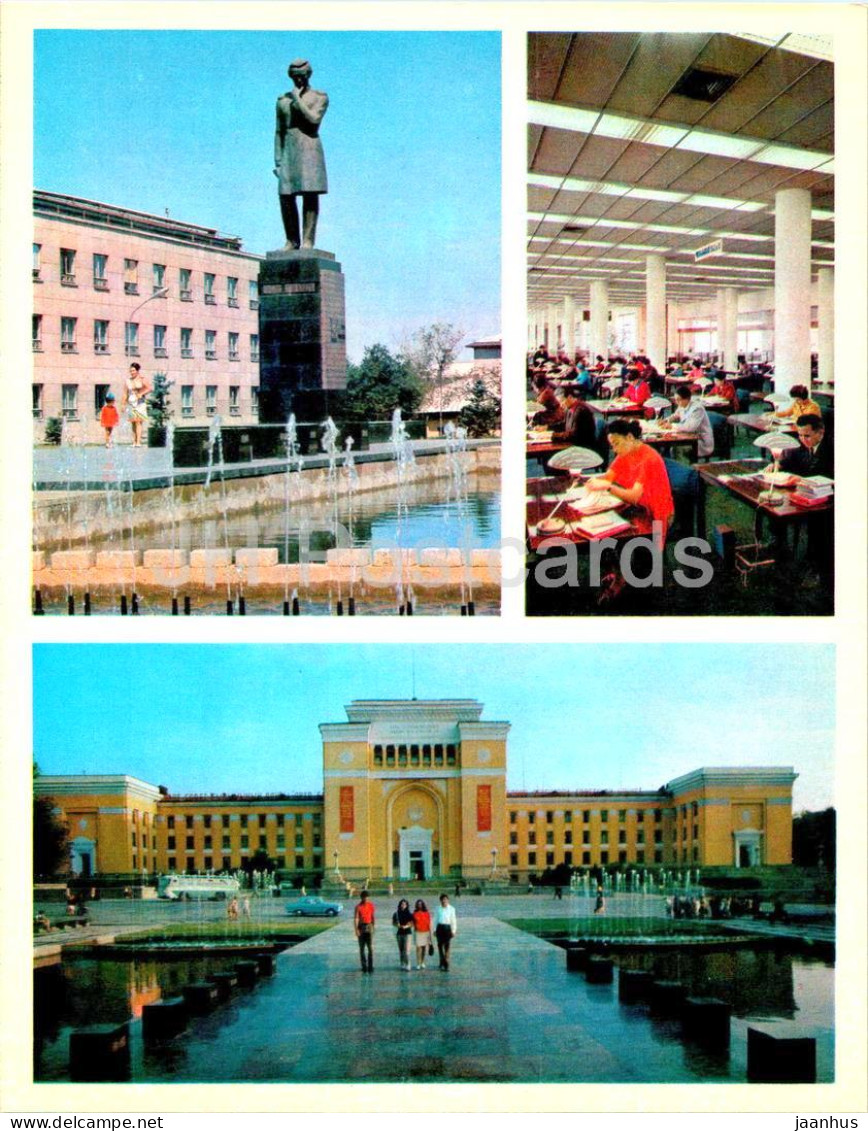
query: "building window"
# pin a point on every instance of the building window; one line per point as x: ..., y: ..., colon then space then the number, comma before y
x: 69, y: 401
x: 170, y: 843
x: 658, y: 815
x: 37, y: 402
x: 190, y: 844
x: 531, y: 817
x: 210, y: 297
x: 225, y: 820
x: 245, y: 841
x: 640, y: 816
x: 299, y: 840
x: 210, y: 345
x: 100, y: 279
x: 299, y: 861
x: 100, y: 336
x: 604, y: 815
x: 586, y: 857
x: 254, y: 400
x: 160, y: 349
x: 550, y: 837
x: 206, y: 821
x: 210, y: 400
x: 513, y: 859
x: 185, y: 285
x: 622, y: 836
x: 531, y: 859
x: 36, y: 322
x: 99, y: 392
x: 67, y: 335
x: 159, y: 279
x: 586, y: 836
x: 131, y: 276
x: 67, y: 267
x: 172, y: 863
x: 207, y: 844
x: 604, y: 857
x: 549, y: 816
x: 622, y: 816
x: 531, y: 837
x: 186, y: 341
x: 640, y: 856
x: 513, y: 838
x: 254, y: 347
x: 186, y: 400
x: 658, y: 855
x: 622, y: 857
x: 586, y: 815
x: 513, y: 816
x: 568, y: 816
x: 568, y: 859
x: 234, y: 406
x: 253, y: 294
x: 604, y: 837
x: 170, y: 822
x: 550, y: 859
x: 231, y: 291
x: 234, y: 355
x: 568, y: 837
x: 131, y: 339
x: 37, y: 266
x: 226, y: 843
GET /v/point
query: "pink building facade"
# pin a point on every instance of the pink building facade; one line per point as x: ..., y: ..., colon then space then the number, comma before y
x: 112, y: 286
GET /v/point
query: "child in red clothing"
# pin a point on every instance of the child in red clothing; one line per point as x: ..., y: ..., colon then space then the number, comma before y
x: 108, y: 417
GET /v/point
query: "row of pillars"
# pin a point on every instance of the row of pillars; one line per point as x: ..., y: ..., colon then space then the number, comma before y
x: 792, y: 315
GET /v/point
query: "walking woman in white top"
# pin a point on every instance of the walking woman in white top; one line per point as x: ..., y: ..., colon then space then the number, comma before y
x: 445, y: 929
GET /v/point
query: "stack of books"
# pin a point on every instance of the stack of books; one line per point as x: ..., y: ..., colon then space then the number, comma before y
x: 813, y: 490
x: 602, y: 525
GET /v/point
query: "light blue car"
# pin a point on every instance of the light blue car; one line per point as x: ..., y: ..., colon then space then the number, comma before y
x: 313, y: 905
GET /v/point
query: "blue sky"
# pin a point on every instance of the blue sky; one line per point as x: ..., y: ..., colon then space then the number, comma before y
x: 184, y: 121
x: 217, y: 718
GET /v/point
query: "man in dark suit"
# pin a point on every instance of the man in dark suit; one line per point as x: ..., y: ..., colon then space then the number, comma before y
x: 815, y: 454
x: 579, y: 427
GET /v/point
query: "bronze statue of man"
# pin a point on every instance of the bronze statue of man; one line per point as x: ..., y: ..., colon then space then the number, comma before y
x: 299, y: 161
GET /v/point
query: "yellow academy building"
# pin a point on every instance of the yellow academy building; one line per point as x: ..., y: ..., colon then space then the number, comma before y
x: 416, y: 789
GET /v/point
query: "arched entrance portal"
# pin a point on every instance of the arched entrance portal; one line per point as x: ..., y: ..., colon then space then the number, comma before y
x: 414, y: 853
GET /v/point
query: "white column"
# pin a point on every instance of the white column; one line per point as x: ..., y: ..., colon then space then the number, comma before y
x: 826, y: 324
x: 554, y: 318
x: 641, y: 329
x: 569, y: 326
x: 727, y: 327
x: 792, y: 288
x: 671, y: 330
x: 599, y: 318
x: 655, y: 311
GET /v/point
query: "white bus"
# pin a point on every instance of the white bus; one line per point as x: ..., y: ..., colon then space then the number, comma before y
x: 197, y: 887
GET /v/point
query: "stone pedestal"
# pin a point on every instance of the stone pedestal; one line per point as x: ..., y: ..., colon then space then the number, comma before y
x: 99, y: 1053
x: 577, y: 959
x: 667, y: 997
x: 781, y: 1054
x: 599, y: 971
x: 634, y: 985
x: 200, y: 997
x: 302, y: 334
x: 247, y: 973
x: 225, y: 983
x: 706, y: 1020
x: 265, y: 964
x: 162, y: 1020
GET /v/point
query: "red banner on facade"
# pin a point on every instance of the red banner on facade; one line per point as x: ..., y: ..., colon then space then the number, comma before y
x: 483, y: 808
x: 348, y: 824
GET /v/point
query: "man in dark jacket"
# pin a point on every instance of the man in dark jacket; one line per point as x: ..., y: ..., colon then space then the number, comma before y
x: 579, y: 427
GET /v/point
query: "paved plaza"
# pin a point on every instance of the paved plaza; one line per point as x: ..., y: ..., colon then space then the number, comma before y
x: 507, y: 1011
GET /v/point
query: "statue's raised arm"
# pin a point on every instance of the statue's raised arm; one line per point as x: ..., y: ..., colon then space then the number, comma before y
x: 299, y: 161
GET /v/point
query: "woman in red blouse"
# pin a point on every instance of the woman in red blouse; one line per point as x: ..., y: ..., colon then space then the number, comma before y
x: 638, y: 391
x: 421, y: 932
x: 638, y: 477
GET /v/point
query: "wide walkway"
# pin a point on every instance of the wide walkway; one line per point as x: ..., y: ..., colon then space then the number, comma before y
x: 507, y: 1011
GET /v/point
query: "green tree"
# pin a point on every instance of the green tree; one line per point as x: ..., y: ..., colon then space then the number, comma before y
x: 159, y: 410
x: 50, y: 836
x: 814, y: 839
x: 380, y: 384
x: 481, y: 415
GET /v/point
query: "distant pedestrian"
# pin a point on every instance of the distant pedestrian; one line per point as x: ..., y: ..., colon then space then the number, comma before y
x: 135, y: 394
x: 445, y: 929
x: 402, y: 921
x: 363, y: 922
x: 108, y: 417
x: 600, y: 903
x: 245, y: 907
x: 421, y: 932
x: 232, y: 909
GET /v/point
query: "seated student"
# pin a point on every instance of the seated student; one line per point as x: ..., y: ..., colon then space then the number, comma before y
x: 724, y: 388
x: 541, y: 355
x: 696, y: 371
x: 815, y: 454
x: 584, y: 380
x: 637, y: 476
x: 551, y: 413
x: 638, y: 390
x: 690, y: 413
x: 599, y: 364
x: 579, y: 427
x: 802, y: 404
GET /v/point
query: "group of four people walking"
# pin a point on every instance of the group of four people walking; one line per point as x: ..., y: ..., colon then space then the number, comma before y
x: 415, y: 930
